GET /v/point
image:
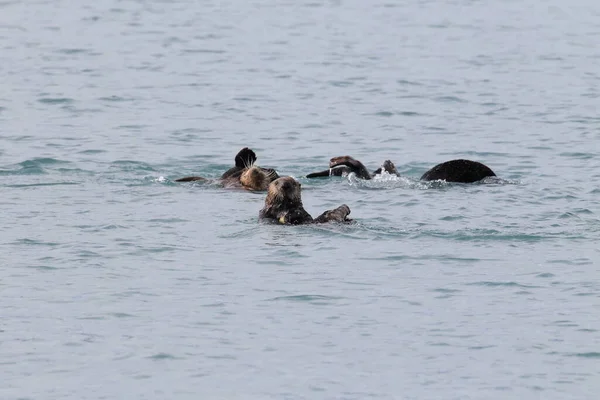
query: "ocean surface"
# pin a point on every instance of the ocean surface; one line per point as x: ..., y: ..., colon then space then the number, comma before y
x: 118, y: 283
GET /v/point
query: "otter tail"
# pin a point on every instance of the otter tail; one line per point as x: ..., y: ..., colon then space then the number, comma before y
x: 190, y: 179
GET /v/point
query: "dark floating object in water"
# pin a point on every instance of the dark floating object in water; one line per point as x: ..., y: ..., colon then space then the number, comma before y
x: 464, y: 171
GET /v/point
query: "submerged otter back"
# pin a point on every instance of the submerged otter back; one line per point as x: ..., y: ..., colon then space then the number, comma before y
x: 463, y: 171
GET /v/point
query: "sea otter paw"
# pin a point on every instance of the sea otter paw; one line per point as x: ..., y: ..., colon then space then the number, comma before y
x: 339, y: 214
x: 295, y: 217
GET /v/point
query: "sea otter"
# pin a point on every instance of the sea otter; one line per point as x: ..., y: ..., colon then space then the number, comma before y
x: 283, y: 204
x: 244, y: 174
x: 463, y: 171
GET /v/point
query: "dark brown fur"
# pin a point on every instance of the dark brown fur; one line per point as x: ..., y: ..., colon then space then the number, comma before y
x: 283, y: 204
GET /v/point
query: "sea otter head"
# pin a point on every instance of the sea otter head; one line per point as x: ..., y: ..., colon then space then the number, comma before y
x: 284, y: 193
x: 255, y: 178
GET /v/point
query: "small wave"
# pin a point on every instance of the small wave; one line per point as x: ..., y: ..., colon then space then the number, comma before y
x: 130, y: 165
x: 56, y: 100
x: 163, y: 356
x: 545, y: 275
x: 24, y: 185
x: 92, y: 151
x: 35, y: 242
x: 446, y: 291
x: 341, y: 83
x: 34, y: 166
x: 450, y: 99
x: 204, y: 51
x: 72, y: 51
x: 43, y: 267
x: 593, y: 354
x: 121, y: 315
x: 307, y: 298
x: 485, y: 235
x: 167, y: 220
x: 502, y: 284
x: 401, y: 113
x: 44, y: 161
x: 405, y: 82
x: 115, y: 98
x: 240, y: 233
x: 135, y: 128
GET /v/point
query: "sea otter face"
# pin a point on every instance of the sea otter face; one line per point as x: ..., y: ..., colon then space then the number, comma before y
x: 284, y: 190
x: 255, y: 179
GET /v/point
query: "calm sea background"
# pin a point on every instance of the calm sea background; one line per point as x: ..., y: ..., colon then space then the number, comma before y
x: 117, y: 283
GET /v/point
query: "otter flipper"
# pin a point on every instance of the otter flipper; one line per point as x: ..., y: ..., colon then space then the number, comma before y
x: 338, y: 171
x: 463, y: 171
x: 339, y: 214
x: 245, y: 158
x: 190, y: 179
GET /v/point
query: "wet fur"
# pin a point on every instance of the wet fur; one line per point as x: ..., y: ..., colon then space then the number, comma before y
x: 255, y: 178
x: 283, y: 204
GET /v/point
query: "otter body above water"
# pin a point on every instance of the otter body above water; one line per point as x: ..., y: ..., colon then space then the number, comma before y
x: 462, y: 171
x: 283, y: 204
x: 244, y: 174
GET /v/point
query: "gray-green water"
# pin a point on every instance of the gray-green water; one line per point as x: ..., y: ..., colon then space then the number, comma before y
x: 117, y: 283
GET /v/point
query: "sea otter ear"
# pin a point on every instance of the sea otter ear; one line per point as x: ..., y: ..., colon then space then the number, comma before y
x: 245, y: 158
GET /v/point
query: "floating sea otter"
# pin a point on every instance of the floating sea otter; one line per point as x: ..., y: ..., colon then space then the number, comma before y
x: 464, y: 171
x: 245, y: 174
x: 284, y: 205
